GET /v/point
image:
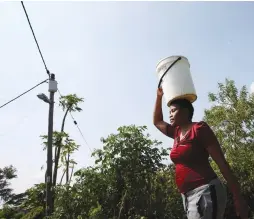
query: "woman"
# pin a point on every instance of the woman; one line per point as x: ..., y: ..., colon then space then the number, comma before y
x: 203, y: 194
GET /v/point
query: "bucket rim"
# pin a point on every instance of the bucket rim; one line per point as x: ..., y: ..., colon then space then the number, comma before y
x: 173, y: 56
x: 181, y: 97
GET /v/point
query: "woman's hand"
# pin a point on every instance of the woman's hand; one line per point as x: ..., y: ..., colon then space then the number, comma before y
x: 241, y: 207
x: 160, y: 92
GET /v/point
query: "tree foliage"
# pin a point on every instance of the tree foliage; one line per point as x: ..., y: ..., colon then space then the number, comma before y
x: 69, y: 103
x: 6, y: 174
x: 68, y: 147
x: 129, y: 179
x: 232, y: 118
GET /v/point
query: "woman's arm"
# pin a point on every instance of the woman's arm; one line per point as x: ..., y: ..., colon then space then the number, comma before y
x: 213, y: 147
x: 219, y: 158
x: 233, y: 184
x: 158, y: 121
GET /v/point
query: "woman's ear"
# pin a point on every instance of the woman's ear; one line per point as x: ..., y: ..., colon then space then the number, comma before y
x: 185, y: 112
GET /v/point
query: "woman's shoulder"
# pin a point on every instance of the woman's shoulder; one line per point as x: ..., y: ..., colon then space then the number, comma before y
x: 201, y: 125
x: 205, y: 133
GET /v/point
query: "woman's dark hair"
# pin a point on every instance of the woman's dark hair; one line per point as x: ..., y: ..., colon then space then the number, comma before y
x: 183, y: 103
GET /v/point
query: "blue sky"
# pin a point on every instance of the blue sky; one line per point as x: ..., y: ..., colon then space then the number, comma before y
x: 107, y: 52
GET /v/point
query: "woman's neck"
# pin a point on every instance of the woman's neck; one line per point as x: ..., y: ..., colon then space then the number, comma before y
x: 186, y: 126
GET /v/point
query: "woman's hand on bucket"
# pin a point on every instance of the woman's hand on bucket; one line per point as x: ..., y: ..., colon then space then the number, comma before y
x: 160, y: 92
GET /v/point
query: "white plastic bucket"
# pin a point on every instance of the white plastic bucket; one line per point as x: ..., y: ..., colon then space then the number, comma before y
x: 177, y: 83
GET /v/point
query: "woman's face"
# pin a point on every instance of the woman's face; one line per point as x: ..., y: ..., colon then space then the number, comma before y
x: 176, y: 115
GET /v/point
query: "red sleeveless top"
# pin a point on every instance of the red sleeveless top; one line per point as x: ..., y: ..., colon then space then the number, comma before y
x: 191, y: 157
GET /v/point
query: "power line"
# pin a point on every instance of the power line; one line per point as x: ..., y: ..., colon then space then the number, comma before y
x: 23, y: 93
x: 76, y: 124
x: 47, y: 71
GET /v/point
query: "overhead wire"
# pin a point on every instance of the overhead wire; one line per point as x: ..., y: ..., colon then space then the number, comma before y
x: 48, y: 72
x: 81, y: 133
x: 76, y: 124
x: 23, y: 93
x: 24, y: 8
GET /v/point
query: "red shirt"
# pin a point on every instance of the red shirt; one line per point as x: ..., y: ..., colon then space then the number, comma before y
x: 191, y: 157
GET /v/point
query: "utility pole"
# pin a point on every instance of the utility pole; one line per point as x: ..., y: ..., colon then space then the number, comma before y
x: 49, y: 201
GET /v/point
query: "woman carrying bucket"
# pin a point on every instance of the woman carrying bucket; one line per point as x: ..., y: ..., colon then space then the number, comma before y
x: 203, y: 194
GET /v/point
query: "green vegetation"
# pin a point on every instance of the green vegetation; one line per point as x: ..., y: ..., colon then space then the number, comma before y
x: 129, y: 179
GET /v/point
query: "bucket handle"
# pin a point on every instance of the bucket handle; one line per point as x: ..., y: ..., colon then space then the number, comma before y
x: 168, y: 70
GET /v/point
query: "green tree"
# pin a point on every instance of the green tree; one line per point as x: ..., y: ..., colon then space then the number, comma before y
x: 167, y: 199
x: 10, y: 212
x: 63, y: 145
x: 130, y: 159
x: 81, y: 199
x: 27, y: 205
x: 6, y: 175
x: 68, y: 147
x: 8, y: 198
x: 35, y: 198
x: 232, y: 118
x: 69, y: 103
x: 32, y: 202
x: 128, y: 180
